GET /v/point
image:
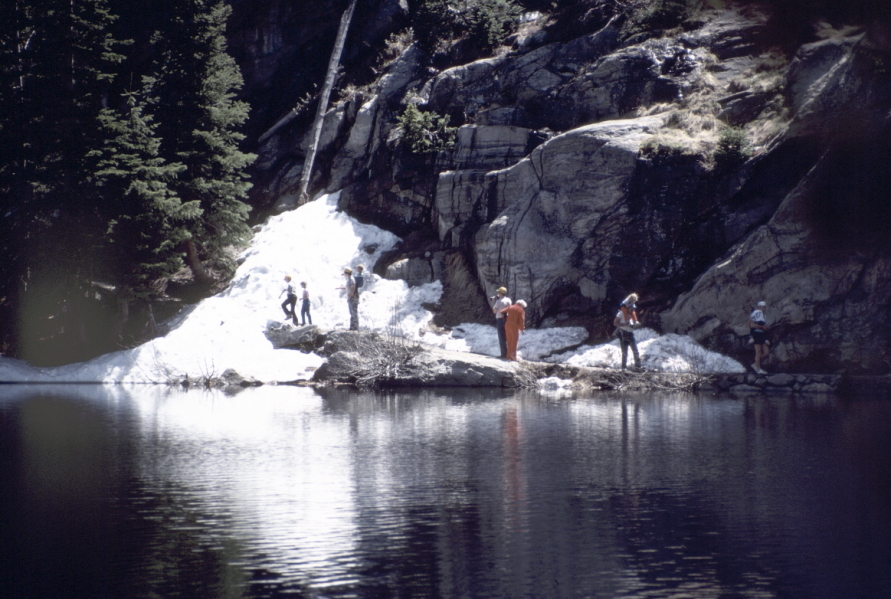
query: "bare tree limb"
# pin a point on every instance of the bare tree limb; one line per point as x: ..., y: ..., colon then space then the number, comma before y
x: 323, y: 101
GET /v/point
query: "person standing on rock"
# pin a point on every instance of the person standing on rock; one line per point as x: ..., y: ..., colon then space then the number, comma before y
x: 625, y: 321
x: 499, y: 302
x: 290, y: 301
x: 304, y: 306
x: 352, y: 294
x: 514, y: 324
x: 758, y: 329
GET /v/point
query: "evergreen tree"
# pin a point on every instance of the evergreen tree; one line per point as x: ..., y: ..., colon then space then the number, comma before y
x: 196, y: 86
x: 147, y: 223
x: 59, y: 59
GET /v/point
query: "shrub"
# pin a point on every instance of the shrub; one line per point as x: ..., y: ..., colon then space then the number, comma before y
x: 486, y: 22
x: 660, y: 14
x: 490, y: 21
x: 732, y: 148
x: 668, y: 145
x: 433, y: 21
x: 425, y: 132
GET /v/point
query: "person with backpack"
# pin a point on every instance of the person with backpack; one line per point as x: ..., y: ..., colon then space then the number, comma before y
x: 304, y: 306
x: 758, y: 330
x: 625, y: 321
x: 359, y: 277
x: 290, y: 301
x: 352, y: 295
x: 499, y: 302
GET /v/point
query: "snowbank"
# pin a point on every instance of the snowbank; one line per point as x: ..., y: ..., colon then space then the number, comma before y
x: 314, y: 243
x: 665, y: 353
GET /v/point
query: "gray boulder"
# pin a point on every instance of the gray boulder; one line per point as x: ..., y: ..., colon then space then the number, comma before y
x: 369, y: 359
x: 416, y: 271
x: 565, y: 208
x: 285, y: 335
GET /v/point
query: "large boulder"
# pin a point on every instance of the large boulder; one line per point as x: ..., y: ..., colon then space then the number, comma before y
x: 369, y: 359
x: 565, y: 209
x: 284, y: 335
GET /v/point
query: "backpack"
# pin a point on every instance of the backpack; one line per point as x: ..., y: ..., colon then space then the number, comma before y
x: 360, y: 280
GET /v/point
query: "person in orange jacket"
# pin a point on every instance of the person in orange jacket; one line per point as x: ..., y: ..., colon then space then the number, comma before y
x: 514, y: 324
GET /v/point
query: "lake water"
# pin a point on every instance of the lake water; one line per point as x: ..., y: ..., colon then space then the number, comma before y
x: 287, y: 492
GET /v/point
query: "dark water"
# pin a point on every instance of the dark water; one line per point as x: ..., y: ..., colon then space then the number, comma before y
x: 282, y: 492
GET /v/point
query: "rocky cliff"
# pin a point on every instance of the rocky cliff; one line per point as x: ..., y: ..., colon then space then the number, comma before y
x: 706, y: 166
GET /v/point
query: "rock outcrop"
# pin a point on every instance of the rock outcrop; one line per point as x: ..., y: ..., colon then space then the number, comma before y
x: 368, y: 359
x: 587, y: 168
x: 821, y: 261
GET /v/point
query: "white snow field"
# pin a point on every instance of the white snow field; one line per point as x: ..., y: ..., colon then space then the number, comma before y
x: 314, y: 243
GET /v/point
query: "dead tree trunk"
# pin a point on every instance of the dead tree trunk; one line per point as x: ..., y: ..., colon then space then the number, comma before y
x: 323, y: 101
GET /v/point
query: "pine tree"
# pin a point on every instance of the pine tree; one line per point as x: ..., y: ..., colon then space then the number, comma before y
x: 59, y: 59
x: 200, y: 117
x: 147, y: 223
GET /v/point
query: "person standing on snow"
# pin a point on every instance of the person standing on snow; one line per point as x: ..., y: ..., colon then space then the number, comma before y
x: 625, y: 321
x: 499, y: 302
x: 290, y: 301
x: 304, y: 306
x: 514, y: 324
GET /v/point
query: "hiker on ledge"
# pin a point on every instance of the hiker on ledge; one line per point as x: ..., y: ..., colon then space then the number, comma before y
x: 499, y: 302
x: 758, y: 329
x: 352, y: 295
x: 625, y: 321
x: 514, y: 324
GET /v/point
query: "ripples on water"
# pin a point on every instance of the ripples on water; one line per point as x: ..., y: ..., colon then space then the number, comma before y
x: 285, y: 492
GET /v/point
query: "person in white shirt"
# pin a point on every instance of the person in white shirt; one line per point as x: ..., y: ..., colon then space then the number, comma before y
x: 758, y: 329
x: 499, y: 302
x: 625, y: 321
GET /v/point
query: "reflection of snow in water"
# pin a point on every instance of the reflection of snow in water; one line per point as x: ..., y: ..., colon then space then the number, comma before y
x: 223, y: 457
x: 314, y: 243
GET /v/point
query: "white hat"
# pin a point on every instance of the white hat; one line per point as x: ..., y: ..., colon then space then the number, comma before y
x: 761, y: 304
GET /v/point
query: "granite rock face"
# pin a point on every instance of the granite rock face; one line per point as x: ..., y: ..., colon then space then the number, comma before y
x: 822, y: 260
x: 562, y: 214
x: 554, y: 190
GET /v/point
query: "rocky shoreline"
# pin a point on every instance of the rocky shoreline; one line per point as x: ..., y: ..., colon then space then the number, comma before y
x: 370, y: 360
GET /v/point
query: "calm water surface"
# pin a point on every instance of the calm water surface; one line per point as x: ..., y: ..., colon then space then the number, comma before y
x: 286, y: 492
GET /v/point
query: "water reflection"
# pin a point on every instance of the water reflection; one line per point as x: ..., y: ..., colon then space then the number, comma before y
x: 282, y: 491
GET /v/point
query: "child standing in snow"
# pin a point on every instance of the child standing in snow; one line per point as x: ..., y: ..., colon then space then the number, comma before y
x: 290, y: 301
x: 304, y: 307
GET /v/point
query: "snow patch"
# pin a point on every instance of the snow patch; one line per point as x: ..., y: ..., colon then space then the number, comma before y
x: 314, y: 243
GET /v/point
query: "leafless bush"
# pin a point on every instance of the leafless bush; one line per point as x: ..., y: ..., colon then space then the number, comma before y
x: 376, y: 359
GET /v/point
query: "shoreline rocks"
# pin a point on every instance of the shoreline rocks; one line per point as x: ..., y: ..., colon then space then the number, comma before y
x: 371, y: 360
